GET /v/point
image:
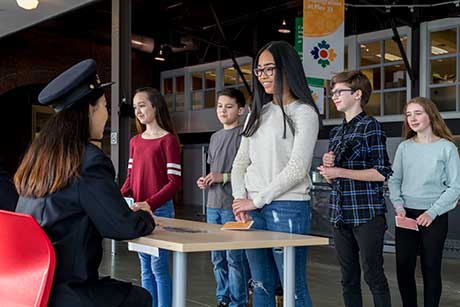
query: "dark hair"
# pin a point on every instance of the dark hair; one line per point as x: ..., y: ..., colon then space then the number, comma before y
x: 53, y: 159
x: 234, y: 93
x: 162, y: 116
x: 438, y: 125
x: 288, y: 65
x: 356, y: 80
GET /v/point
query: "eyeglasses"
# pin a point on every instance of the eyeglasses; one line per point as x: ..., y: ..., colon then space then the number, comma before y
x: 338, y: 93
x: 267, y: 71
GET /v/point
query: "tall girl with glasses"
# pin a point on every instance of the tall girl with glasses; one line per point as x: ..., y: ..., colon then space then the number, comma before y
x: 426, y: 194
x: 270, y: 174
x: 154, y: 176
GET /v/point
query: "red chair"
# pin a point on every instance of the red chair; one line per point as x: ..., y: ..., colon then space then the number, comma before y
x: 27, y: 261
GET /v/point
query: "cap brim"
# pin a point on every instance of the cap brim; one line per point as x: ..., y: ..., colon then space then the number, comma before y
x: 106, y: 84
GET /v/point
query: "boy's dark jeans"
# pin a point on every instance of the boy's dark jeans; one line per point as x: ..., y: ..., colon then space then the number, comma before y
x: 365, y: 242
x: 429, y: 241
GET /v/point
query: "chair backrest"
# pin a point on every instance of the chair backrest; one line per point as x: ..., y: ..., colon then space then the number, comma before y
x: 27, y: 261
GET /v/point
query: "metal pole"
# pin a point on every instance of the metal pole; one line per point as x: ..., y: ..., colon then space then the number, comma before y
x: 203, y: 173
x: 179, y: 279
x: 289, y: 276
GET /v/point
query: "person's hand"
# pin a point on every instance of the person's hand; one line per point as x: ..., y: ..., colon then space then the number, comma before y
x: 142, y: 205
x: 200, y: 183
x: 243, y: 217
x: 213, y: 178
x: 400, y: 211
x: 329, y: 159
x: 242, y: 205
x: 329, y: 173
x: 424, y: 219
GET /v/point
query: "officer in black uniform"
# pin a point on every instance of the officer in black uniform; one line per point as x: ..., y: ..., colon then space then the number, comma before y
x: 67, y: 184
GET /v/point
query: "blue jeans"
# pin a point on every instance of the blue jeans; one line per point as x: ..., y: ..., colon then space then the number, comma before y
x: 155, y: 270
x: 230, y: 267
x: 267, y: 264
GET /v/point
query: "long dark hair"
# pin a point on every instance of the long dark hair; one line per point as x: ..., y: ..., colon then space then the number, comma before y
x: 438, y: 125
x: 161, y: 111
x: 54, y: 157
x: 287, y: 63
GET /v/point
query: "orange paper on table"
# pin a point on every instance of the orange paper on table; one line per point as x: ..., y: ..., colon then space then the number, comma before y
x: 322, y: 17
x: 237, y: 225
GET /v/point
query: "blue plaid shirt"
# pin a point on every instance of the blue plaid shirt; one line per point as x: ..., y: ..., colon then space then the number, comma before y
x: 358, y: 145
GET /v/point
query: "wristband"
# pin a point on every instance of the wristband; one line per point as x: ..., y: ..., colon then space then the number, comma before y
x: 225, y: 178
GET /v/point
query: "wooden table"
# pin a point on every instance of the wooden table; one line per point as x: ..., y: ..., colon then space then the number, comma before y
x: 182, y: 236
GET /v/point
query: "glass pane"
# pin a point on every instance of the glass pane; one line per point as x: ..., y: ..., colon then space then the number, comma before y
x: 197, y: 81
x: 246, y: 69
x: 180, y: 84
x: 444, y: 42
x: 392, y: 53
x: 197, y: 100
x: 444, y: 98
x: 373, y: 106
x: 443, y: 71
x: 395, y: 76
x: 169, y: 102
x: 167, y: 86
x: 179, y: 102
x: 210, y: 99
x: 229, y: 76
x: 394, y: 102
x: 210, y: 79
x: 374, y: 76
x: 245, y: 93
x: 370, y: 53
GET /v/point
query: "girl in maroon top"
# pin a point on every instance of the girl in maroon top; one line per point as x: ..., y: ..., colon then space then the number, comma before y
x: 154, y: 176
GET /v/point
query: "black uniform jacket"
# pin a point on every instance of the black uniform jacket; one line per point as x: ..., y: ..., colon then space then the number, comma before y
x: 76, y: 220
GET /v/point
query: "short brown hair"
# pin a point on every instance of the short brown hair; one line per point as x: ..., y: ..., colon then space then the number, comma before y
x: 356, y: 80
x: 235, y: 94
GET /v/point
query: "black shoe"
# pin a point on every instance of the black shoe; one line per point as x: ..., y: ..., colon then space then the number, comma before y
x: 223, y: 304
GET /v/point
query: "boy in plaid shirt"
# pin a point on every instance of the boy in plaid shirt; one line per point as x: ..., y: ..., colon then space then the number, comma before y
x: 356, y: 165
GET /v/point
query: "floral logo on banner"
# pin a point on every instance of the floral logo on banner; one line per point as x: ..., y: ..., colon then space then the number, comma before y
x: 323, y: 53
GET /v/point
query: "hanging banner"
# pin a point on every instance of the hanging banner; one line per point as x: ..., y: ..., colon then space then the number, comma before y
x: 323, y: 37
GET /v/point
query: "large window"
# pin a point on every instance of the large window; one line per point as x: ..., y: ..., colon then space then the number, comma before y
x: 203, y: 89
x: 443, y: 60
x: 173, y: 91
x: 381, y: 61
x: 233, y: 79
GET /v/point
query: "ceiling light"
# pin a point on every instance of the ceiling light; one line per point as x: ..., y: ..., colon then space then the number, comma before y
x: 390, y: 57
x: 27, y: 4
x: 283, y: 28
x: 437, y: 50
x: 160, y: 56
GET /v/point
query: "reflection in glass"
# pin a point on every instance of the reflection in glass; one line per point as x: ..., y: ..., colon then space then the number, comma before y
x: 394, y: 102
x: 167, y: 86
x: 169, y: 102
x: 395, y: 76
x: 179, y: 102
x: 444, y: 42
x: 444, y: 98
x: 229, y: 76
x: 180, y: 84
x: 197, y: 100
x: 374, y: 76
x: 210, y: 79
x: 392, y: 52
x: 443, y: 70
x: 210, y: 99
x: 197, y: 81
x: 373, y: 106
x: 370, y: 53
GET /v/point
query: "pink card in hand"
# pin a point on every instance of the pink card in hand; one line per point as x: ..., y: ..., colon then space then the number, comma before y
x: 405, y: 222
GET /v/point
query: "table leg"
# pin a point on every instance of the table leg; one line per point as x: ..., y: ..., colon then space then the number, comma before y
x: 289, y: 277
x: 179, y: 279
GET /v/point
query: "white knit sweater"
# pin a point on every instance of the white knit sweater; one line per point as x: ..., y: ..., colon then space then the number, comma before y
x: 268, y: 167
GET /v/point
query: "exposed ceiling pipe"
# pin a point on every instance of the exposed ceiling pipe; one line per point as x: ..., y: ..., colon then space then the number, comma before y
x: 147, y: 44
